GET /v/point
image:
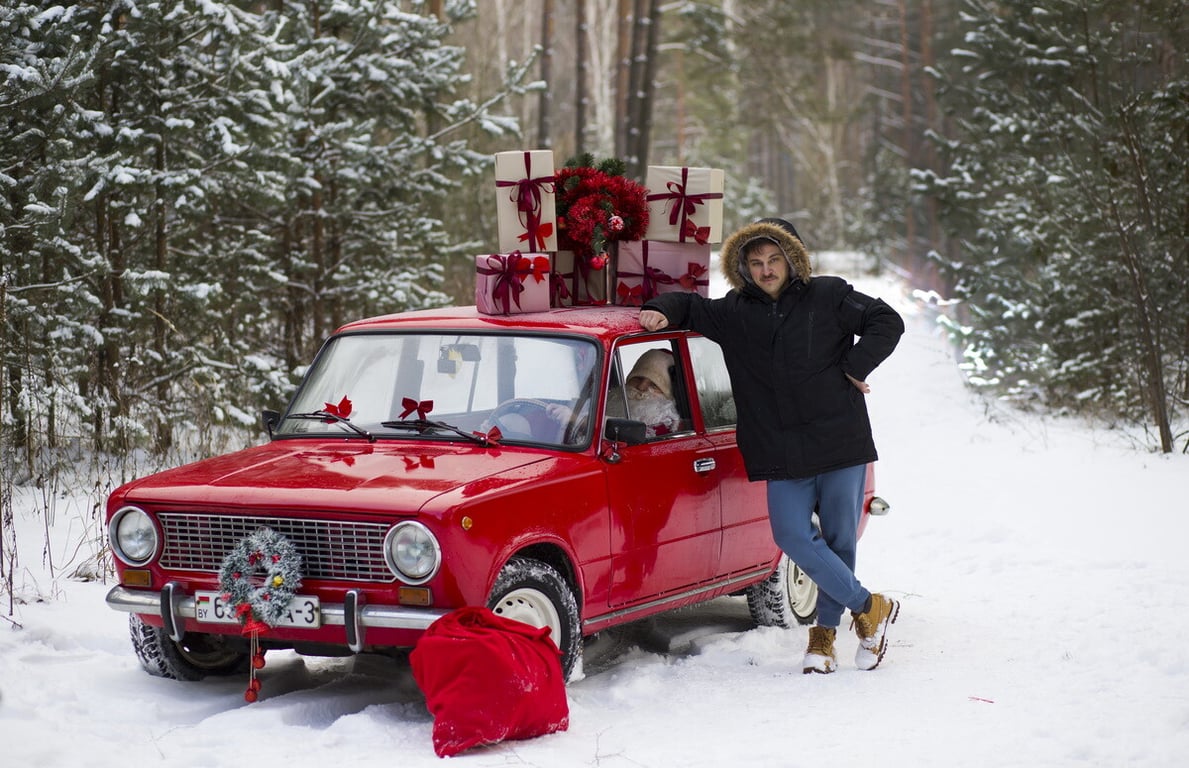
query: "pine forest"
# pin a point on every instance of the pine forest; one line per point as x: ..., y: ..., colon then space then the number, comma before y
x: 195, y: 194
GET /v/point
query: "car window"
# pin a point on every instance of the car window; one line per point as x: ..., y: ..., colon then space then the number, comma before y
x: 645, y: 385
x: 712, y: 383
x: 535, y: 388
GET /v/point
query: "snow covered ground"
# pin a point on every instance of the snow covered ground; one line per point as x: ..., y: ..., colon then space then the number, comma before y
x: 1040, y: 565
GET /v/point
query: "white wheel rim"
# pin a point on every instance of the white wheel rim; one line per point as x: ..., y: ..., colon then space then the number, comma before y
x: 531, y: 607
x: 802, y: 591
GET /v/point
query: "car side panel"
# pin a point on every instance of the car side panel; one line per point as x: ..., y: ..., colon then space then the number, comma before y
x: 665, y: 520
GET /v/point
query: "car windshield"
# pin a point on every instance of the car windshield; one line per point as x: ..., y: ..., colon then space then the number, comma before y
x: 485, y: 387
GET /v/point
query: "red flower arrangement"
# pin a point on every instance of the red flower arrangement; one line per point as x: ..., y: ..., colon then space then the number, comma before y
x: 596, y: 206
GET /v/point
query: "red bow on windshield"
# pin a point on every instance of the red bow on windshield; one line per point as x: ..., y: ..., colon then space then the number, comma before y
x: 492, y: 435
x: 342, y: 410
x: 422, y: 408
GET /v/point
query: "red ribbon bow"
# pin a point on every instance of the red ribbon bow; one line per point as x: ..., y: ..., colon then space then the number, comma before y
x: 632, y: 297
x: 535, y: 234
x: 693, y: 278
x: 342, y: 410
x: 422, y: 408
x: 526, y: 193
x: 701, y: 235
x: 492, y: 435
x: 538, y: 267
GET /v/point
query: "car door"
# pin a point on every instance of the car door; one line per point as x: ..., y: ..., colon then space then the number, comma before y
x: 746, y: 536
x: 665, y: 518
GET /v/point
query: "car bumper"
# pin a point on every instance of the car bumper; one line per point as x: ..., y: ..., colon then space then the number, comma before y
x: 174, y: 606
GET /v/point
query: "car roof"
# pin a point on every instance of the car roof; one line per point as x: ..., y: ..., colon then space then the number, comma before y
x: 604, y: 321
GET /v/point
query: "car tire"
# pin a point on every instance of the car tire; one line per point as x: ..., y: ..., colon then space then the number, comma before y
x: 196, y: 657
x: 535, y: 593
x: 785, y: 599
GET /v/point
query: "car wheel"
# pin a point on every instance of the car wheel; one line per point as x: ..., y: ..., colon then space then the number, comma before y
x: 196, y: 657
x: 535, y: 593
x: 786, y: 598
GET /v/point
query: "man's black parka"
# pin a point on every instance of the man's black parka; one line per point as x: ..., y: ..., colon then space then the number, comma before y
x: 798, y: 415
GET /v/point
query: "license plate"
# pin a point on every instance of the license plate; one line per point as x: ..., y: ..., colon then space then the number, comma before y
x: 303, y: 611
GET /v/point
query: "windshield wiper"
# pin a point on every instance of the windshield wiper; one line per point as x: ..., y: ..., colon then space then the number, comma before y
x: 423, y: 424
x: 329, y: 417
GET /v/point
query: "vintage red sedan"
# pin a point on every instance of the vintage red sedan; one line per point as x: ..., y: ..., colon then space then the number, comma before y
x: 445, y: 458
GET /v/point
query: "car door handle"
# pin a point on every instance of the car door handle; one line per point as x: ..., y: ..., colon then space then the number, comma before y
x: 703, y: 465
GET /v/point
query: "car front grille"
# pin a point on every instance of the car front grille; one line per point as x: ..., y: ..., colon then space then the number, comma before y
x: 330, y: 549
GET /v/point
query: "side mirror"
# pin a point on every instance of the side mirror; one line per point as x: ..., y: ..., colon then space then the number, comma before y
x: 270, y: 419
x: 626, y: 431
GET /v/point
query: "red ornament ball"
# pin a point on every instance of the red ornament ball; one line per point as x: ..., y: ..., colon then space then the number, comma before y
x: 249, y: 695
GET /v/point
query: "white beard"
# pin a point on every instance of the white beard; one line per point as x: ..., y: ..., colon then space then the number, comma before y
x: 655, y: 410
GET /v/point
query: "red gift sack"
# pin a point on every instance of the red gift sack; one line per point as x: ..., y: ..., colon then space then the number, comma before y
x: 487, y: 679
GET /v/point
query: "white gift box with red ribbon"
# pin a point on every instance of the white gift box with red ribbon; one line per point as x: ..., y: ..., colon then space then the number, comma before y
x: 684, y: 204
x: 525, y: 202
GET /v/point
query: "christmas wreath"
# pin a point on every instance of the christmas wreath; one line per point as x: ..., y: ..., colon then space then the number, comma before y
x: 596, y: 205
x: 259, y: 577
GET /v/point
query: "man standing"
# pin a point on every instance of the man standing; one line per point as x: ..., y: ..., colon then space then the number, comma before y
x: 799, y: 380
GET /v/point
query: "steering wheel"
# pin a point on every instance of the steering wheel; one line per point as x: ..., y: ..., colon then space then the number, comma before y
x: 517, y: 417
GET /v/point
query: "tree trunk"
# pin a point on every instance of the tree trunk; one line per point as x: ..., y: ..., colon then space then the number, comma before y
x: 545, y: 111
x: 636, y: 68
x: 164, y: 430
x: 647, y: 88
x: 580, y: 78
x: 623, y: 84
x: 318, y: 257
x: 1149, y: 334
x: 929, y: 62
x: 107, y: 360
x: 1151, y: 337
x: 910, y: 229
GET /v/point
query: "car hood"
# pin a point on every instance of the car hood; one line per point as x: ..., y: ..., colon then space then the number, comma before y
x: 383, y: 477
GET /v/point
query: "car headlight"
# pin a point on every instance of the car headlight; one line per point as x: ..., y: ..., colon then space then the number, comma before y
x: 412, y: 552
x: 133, y: 536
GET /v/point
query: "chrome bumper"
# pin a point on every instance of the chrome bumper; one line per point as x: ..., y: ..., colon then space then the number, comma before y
x: 173, y: 605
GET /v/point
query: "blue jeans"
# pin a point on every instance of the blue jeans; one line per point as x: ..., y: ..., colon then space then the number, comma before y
x: 827, y: 557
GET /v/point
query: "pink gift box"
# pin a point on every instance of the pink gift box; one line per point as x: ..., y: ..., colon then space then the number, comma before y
x: 684, y: 204
x: 525, y: 203
x: 649, y: 267
x: 512, y: 283
x: 576, y: 284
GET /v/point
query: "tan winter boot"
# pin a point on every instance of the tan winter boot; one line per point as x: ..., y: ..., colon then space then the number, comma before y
x: 872, y: 629
x: 819, y: 656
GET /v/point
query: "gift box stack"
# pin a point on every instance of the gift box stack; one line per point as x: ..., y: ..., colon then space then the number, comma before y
x: 578, y: 236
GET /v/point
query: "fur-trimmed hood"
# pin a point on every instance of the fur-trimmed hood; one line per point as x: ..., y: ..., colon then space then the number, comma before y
x: 779, y: 231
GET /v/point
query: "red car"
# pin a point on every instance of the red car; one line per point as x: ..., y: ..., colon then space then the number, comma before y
x: 445, y: 458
